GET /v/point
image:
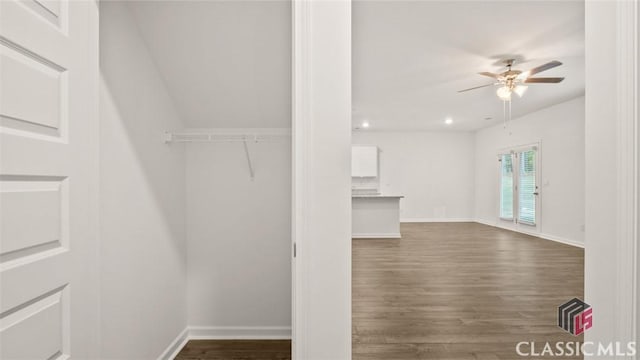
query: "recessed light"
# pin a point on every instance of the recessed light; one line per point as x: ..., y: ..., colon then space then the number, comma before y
x: 448, y: 121
x: 365, y: 124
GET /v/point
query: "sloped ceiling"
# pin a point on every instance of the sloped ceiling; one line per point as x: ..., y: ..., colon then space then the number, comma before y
x: 228, y: 63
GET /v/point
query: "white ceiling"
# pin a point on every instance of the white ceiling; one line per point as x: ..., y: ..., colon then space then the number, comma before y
x: 411, y: 57
x: 225, y: 63
x: 228, y: 63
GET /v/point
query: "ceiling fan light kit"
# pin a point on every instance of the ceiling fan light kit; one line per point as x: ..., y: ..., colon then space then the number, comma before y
x: 520, y: 90
x: 511, y: 80
x: 504, y: 93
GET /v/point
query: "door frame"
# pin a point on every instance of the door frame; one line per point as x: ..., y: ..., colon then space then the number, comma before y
x: 321, y: 180
x: 627, y: 292
x: 628, y: 160
x: 514, y: 224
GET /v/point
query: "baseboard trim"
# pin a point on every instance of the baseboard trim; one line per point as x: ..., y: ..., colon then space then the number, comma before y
x: 560, y: 240
x: 224, y: 333
x: 176, y: 345
x: 427, y: 220
x: 240, y: 332
x: 377, y: 236
x: 535, y: 234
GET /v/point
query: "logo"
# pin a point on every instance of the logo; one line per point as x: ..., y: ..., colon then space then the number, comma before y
x: 575, y: 316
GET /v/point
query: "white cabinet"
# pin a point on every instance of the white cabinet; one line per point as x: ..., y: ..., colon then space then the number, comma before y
x: 364, y: 161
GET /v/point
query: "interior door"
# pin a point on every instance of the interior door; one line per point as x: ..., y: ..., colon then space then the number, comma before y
x: 48, y: 169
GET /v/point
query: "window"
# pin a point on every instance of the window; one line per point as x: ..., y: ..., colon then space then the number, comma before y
x: 506, y: 186
x: 527, y: 189
x: 518, y: 186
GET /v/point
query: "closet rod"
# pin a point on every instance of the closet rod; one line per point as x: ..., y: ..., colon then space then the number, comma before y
x: 222, y: 137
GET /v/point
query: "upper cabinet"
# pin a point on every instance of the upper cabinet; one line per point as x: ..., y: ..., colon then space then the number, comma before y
x: 364, y: 161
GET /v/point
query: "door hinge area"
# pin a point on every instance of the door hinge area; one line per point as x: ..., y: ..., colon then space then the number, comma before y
x: 294, y: 250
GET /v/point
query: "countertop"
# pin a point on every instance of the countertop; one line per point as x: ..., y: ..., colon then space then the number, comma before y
x: 376, y: 196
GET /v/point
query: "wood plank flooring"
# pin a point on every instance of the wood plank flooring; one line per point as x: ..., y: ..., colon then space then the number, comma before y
x: 459, y: 291
x: 445, y: 291
x: 236, y: 350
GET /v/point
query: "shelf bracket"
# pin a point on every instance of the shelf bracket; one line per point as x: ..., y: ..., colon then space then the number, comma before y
x: 246, y: 152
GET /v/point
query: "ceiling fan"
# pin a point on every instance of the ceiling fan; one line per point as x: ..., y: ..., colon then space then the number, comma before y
x: 511, y: 81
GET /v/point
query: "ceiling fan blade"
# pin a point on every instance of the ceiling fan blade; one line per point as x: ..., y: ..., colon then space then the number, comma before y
x: 485, y: 73
x: 545, y: 67
x: 544, y: 80
x: 477, y: 87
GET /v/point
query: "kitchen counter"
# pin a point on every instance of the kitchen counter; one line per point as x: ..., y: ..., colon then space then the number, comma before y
x: 376, y: 216
x: 376, y: 196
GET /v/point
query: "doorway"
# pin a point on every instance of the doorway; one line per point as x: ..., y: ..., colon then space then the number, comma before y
x: 519, y: 188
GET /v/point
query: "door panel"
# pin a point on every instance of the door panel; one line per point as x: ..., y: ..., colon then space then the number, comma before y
x: 527, y: 187
x: 527, y: 191
x: 48, y: 153
x: 507, y: 200
x: 39, y: 319
x: 27, y: 81
x: 23, y: 204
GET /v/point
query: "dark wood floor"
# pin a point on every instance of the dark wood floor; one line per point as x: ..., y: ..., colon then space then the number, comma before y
x: 459, y: 291
x: 444, y: 291
x: 236, y: 350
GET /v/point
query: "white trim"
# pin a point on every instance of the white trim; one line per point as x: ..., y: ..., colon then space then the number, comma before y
x: 535, y: 145
x: 429, y: 220
x: 560, y: 240
x: 637, y: 172
x: 377, y: 236
x: 175, y: 346
x: 555, y: 238
x: 301, y: 178
x: 627, y: 141
x: 240, y: 332
x: 321, y: 213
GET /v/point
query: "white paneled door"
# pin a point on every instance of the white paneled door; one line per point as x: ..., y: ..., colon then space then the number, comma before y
x: 48, y: 176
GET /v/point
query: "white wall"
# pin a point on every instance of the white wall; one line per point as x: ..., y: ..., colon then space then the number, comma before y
x: 560, y: 131
x: 239, y: 235
x: 433, y: 170
x: 142, y: 191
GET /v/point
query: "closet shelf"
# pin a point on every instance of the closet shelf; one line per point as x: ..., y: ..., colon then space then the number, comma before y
x: 230, y: 135
x: 227, y: 136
